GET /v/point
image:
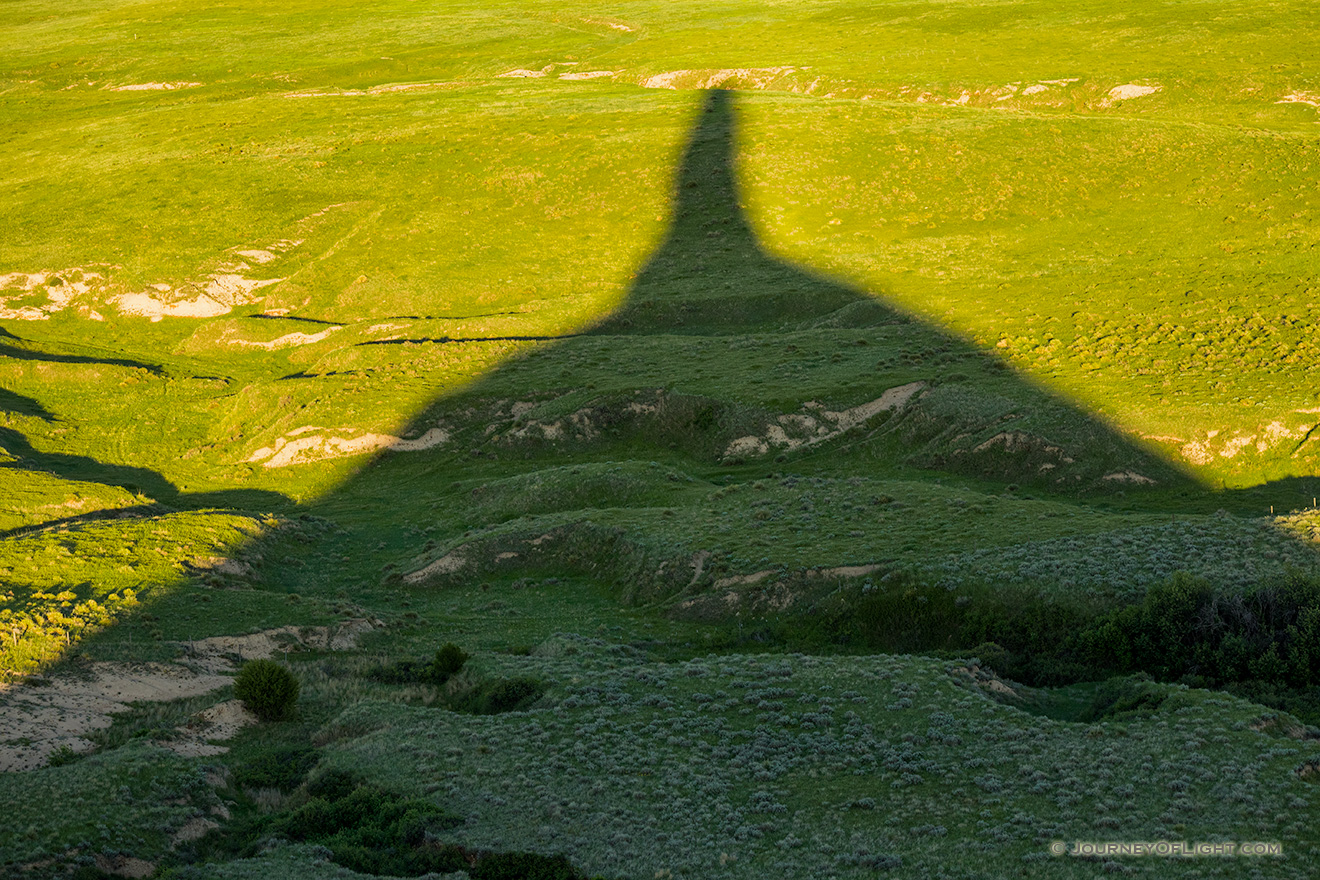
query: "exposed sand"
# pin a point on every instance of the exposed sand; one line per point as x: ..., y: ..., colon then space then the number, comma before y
x: 797, y: 430
x: 153, y: 86
x: 62, y: 712
x: 1311, y: 98
x: 1128, y: 91
x: 38, y: 720
x: 1275, y: 434
x: 447, y: 564
x: 215, y: 293
x: 753, y: 77
x: 1128, y: 477
x: 386, y: 89
x: 63, y: 287
x: 339, y: 443
x: 288, y: 340
x: 739, y: 580
x: 588, y: 74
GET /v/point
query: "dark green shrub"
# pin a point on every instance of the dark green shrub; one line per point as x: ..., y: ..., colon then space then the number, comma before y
x: 374, y: 831
x: 1119, y: 697
x: 498, y: 695
x: 447, y: 663
x: 267, y: 689
x: 333, y: 785
x: 283, y: 768
x: 402, y: 672
x: 522, y: 866
x: 63, y: 755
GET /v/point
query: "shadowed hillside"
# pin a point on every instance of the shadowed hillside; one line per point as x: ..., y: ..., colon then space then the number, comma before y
x: 723, y: 356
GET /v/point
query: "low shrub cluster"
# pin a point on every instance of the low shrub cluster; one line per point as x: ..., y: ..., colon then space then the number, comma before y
x: 447, y: 662
x: 486, y: 697
x: 498, y: 695
x: 1186, y: 628
x: 1183, y: 629
x: 370, y: 829
x: 283, y: 768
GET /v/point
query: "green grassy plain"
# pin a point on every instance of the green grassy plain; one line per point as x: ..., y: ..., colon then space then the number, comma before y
x: 600, y: 343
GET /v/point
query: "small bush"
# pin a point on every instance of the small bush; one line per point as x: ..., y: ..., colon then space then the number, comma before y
x: 63, y: 755
x: 1123, y: 697
x: 499, y: 695
x: 267, y: 689
x: 333, y: 785
x: 447, y: 663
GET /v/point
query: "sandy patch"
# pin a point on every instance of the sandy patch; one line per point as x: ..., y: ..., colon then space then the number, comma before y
x: 744, y: 446
x: 194, y: 829
x: 220, y: 653
x: 746, y: 77
x: 588, y: 74
x: 447, y: 564
x: 1035, y: 89
x: 987, y: 681
x: 1311, y: 98
x: 197, y: 738
x: 1128, y: 91
x: 738, y: 580
x: 1275, y: 434
x: 215, y: 293
x: 579, y: 425
x: 848, y: 571
x: 1128, y: 477
x: 62, y: 287
x: 698, y: 566
x: 521, y: 73
x: 153, y: 87
x: 321, y: 446
x: 222, y: 292
x: 148, y: 306
x: 386, y: 89
x: 288, y: 340
x: 798, y: 430
x: 431, y: 439
x: 38, y: 720
x: 124, y: 866
x: 258, y: 256
x: 1021, y: 441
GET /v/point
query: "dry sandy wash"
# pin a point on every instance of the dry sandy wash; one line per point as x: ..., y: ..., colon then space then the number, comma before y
x: 37, y: 720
